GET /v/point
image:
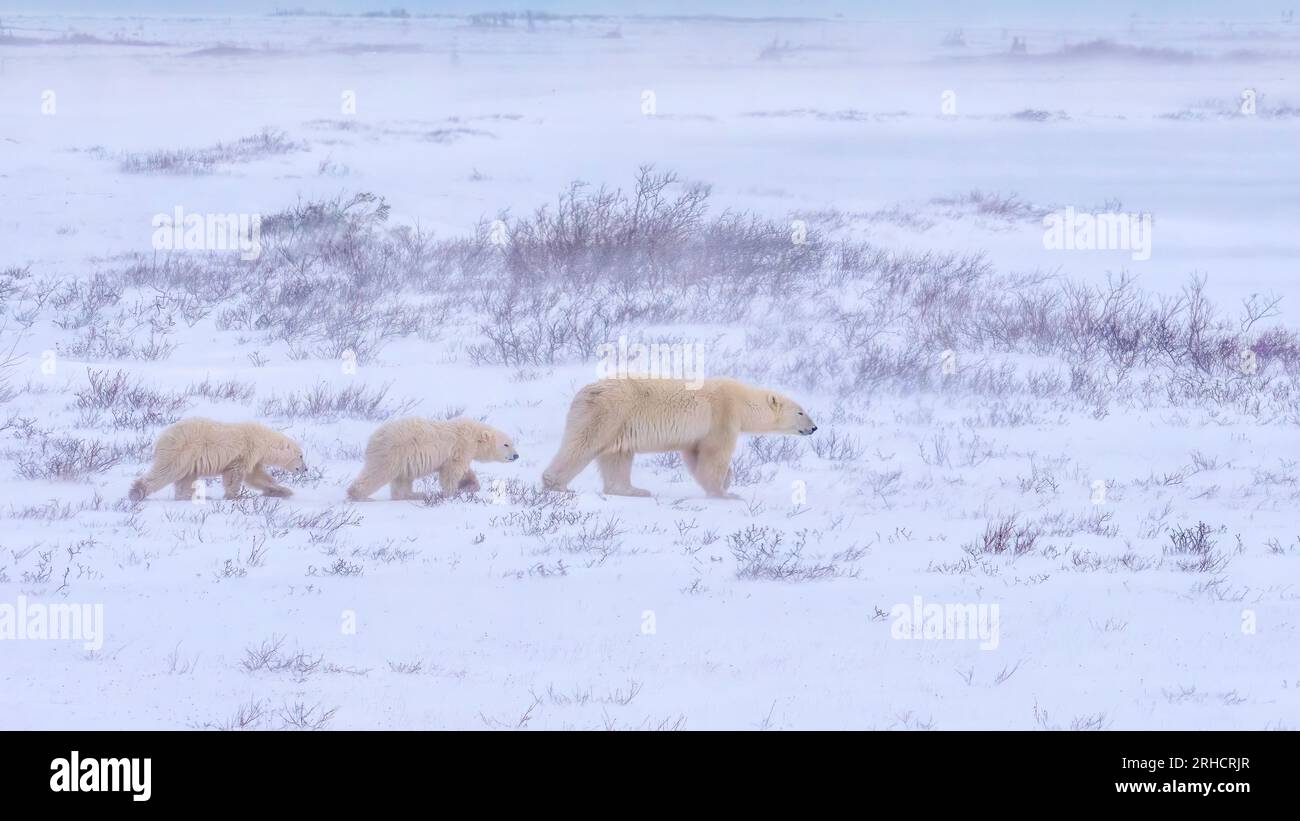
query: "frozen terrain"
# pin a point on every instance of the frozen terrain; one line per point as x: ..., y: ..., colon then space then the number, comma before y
x: 1103, y: 445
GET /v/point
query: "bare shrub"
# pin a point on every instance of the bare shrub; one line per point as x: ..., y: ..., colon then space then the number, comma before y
x: 265, y: 143
x: 68, y: 458
x: 298, y: 716
x: 108, y: 340
x: 1193, y: 549
x: 748, y: 469
x: 8, y: 360
x: 269, y: 656
x: 769, y: 450
x: 1006, y: 537
x: 322, y: 403
x: 836, y: 447
x: 335, y: 280
x: 340, y: 567
x: 129, y: 404
x: 230, y: 390
x: 761, y: 553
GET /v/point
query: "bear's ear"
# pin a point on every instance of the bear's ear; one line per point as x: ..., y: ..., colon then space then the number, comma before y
x: 774, y: 401
x: 484, y: 435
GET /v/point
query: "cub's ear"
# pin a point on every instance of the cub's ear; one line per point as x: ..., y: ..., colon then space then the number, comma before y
x: 774, y: 401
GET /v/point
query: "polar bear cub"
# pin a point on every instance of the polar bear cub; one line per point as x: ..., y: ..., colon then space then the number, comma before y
x: 238, y: 452
x: 403, y: 450
x: 613, y: 419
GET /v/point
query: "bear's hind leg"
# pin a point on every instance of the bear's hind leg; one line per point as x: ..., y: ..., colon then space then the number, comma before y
x: 616, y: 470
x: 372, y: 478
x: 185, y: 488
x: 402, y: 489
x: 567, y: 464
x: 156, y: 479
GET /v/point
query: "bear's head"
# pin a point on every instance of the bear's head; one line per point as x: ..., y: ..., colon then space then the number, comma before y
x: 788, y: 416
x: 286, y: 454
x: 495, y: 446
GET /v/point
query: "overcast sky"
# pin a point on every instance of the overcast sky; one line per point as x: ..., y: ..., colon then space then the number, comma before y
x: 974, y: 11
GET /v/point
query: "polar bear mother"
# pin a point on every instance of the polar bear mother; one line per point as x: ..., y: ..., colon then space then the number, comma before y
x: 612, y: 420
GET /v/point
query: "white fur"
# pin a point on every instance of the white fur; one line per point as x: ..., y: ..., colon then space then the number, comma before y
x: 237, y: 452
x: 611, y: 420
x: 403, y: 450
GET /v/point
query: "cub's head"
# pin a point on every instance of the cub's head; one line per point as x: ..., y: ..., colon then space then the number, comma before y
x: 789, y: 416
x: 495, y: 446
x: 286, y: 454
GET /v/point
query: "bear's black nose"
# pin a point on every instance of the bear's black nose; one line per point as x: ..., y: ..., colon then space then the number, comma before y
x: 513, y: 458
x: 814, y: 429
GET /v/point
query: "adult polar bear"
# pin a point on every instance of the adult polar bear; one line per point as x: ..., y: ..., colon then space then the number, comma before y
x: 612, y: 420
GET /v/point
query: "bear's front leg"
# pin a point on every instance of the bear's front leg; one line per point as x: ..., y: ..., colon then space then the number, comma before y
x: 713, y: 466
x: 469, y: 482
x: 450, y: 475
x: 233, y: 481
x: 261, y: 480
x: 616, y: 471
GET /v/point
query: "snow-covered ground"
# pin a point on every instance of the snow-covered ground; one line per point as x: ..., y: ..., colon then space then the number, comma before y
x: 1106, y: 475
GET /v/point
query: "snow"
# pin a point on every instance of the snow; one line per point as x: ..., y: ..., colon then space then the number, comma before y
x: 610, y: 612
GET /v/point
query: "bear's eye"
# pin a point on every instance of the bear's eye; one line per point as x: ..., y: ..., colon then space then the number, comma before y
x: 801, y: 413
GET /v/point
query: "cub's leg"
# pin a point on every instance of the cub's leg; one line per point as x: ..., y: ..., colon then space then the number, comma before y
x: 451, y: 474
x: 233, y: 481
x: 469, y: 483
x: 402, y: 489
x: 616, y: 470
x: 713, y: 466
x: 372, y: 478
x: 261, y: 480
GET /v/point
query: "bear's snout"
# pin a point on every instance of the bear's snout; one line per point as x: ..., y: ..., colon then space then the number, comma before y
x: 514, y: 457
x: 809, y: 431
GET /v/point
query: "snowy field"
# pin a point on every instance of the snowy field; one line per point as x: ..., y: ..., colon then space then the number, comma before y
x: 1092, y: 451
